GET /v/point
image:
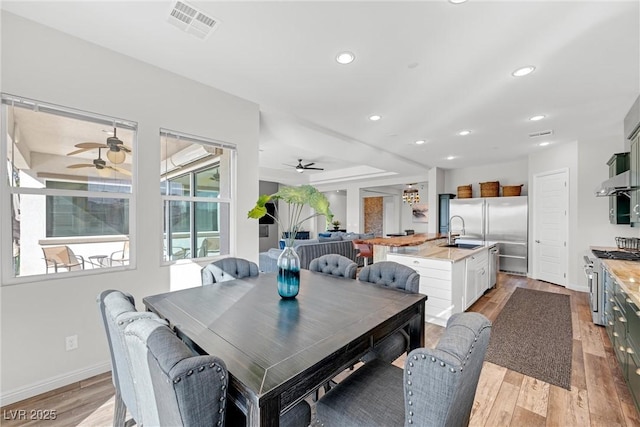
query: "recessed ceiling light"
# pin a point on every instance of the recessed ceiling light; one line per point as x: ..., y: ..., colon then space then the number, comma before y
x: 457, y: 1
x: 345, y: 57
x: 464, y: 132
x: 544, y: 144
x: 420, y: 141
x: 523, y: 71
x: 451, y: 157
x: 375, y: 117
x: 536, y: 118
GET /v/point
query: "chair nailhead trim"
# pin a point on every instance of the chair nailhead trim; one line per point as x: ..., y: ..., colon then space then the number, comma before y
x: 453, y: 370
x: 410, y: 403
x: 433, y: 359
x: 201, y: 368
x: 219, y: 423
x: 190, y: 372
x: 221, y: 410
x: 409, y: 382
x: 221, y: 398
x: 224, y: 386
x: 424, y: 356
x: 410, y: 393
x: 212, y: 365
x: 176, y: 381
x: 410, y: 421
x: 443, y: 364
x: 411, y: 413
x: 217, y: 370
x: 415, y: 357
x: 411, y: 364
x: 408, y: 372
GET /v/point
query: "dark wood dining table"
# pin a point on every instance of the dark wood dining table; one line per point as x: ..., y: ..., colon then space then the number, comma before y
x: 278, y: 351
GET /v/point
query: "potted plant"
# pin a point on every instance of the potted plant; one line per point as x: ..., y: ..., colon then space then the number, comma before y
x: 336, y: 225
x: 295, y: 198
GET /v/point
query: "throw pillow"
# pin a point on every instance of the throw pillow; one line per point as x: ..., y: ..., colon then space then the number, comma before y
x: 329, y: 239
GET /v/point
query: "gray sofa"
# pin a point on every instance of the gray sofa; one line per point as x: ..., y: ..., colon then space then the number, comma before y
x: 338, y: 243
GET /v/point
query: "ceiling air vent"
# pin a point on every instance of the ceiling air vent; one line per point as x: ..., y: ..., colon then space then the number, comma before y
x: 191, y: 20
x: 541, y: 133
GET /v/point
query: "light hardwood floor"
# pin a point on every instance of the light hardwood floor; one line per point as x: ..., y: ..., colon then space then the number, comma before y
x: 598, y: 396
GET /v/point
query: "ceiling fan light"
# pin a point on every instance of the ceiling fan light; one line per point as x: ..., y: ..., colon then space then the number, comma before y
x: 299, y: 170
x: 116, y: 157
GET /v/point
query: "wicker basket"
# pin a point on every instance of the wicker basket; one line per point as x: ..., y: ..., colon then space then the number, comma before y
x: 465, y: 192
x: 490, y: 189
x: 511, y: 190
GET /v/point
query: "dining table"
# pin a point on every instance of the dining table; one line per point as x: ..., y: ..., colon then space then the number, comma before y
x: 278, y: 351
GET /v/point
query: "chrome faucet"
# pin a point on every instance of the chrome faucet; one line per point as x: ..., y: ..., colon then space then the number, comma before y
x: 449, y: 234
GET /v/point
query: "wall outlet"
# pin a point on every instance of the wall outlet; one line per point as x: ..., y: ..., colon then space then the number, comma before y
x: 71, y: 342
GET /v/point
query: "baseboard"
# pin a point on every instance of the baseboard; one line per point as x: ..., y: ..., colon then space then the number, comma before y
x: 574, y: 287
x: 31, y: 390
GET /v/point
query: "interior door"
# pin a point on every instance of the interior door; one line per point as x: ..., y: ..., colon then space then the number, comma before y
x: 550, y: 226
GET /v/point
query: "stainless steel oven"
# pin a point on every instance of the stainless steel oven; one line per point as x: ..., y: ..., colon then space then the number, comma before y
x: 593, y: 271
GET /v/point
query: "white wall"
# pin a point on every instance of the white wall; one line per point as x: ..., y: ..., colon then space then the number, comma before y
x: 338, y: 204
x: 43, y: 64
x: 508, y: 173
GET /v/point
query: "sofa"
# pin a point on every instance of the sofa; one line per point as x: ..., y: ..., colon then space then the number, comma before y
x: 327, y: 243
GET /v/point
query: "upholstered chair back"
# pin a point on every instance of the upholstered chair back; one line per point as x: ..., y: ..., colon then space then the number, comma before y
x: 176, y: 387
x: 228, y: 269
x: 391, y: 275
x: 334, y: 265
x: 118, y: 311
x: 440, y: 384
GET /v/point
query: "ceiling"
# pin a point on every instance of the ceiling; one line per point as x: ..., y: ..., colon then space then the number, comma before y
x: 429, y: 68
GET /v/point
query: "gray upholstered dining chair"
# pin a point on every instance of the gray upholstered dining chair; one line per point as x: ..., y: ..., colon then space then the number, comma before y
x: 118, y: 311
x: 396, y: 276
x: 228, y: 269
x: 435, y: 388
x: 334, y: 265
x: 174, y: 387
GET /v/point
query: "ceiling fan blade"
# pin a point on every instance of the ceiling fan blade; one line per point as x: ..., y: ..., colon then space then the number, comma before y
x: 317, y: 169
x: 90, y: 145
x: 120, y: 170
x: 81, y: 150
x: 81, y: 165
x: 308, y: 164
x: 126, y: 148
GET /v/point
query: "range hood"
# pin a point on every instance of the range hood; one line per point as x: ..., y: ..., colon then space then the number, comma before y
x: 620, y: 183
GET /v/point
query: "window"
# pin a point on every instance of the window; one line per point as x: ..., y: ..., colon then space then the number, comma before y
x: 70, y: 180
x: 195, y: 188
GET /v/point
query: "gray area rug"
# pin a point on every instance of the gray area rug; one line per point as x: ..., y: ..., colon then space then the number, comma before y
x: 532, y: 335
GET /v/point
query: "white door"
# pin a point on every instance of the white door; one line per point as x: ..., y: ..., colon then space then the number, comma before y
x: 550, y: 226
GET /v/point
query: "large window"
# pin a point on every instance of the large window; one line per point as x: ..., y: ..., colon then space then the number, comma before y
x: 70, y: 180
x: 195, y: 188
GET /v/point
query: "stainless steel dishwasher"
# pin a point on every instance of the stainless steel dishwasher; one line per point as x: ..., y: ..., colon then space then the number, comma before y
x: 493, y: 265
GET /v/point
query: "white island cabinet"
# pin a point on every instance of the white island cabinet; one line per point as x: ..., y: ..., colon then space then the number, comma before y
x: 453, y: 279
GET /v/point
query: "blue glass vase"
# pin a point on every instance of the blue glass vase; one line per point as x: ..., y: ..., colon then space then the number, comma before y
x: 288, y: 273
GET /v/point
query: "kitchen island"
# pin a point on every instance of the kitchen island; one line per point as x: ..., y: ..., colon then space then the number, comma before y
x: 453, y: 278
x: 404, y: 244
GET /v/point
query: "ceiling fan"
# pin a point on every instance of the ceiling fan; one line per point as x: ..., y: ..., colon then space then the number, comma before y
x: 100, y: 165
x: 301, y: 168
x: 117, y: 149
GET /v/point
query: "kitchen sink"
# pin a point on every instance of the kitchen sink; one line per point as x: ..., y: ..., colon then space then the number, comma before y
x: 462, y: 246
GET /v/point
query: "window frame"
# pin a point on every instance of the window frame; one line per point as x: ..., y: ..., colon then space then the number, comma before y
x: 7, y: 191
x: 192, y: 200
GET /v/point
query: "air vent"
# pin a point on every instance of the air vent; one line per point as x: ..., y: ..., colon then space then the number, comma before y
x: 541, y: 133
x: 191, y: 20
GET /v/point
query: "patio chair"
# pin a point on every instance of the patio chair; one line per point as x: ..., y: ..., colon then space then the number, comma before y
x: 120, y: 257
x: 57, y: 257
x: 210, y: 246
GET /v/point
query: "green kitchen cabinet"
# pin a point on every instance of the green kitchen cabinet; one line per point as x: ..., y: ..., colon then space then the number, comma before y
x: 634, y: 163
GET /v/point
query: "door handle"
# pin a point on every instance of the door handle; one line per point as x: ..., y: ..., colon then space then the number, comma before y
x: 537, y: 241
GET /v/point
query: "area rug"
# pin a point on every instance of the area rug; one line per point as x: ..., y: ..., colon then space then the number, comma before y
x: 532, y: 335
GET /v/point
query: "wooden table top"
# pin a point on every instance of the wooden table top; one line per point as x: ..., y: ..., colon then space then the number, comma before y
x: 266, y: 341
x: 410, y: 240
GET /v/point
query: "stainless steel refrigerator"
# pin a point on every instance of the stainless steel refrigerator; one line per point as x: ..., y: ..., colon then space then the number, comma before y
x: 496, y: 219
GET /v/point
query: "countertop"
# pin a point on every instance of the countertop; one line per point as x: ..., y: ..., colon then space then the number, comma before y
x: 625, y: 273
x: 409, y: 240
x: 440, y: 253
